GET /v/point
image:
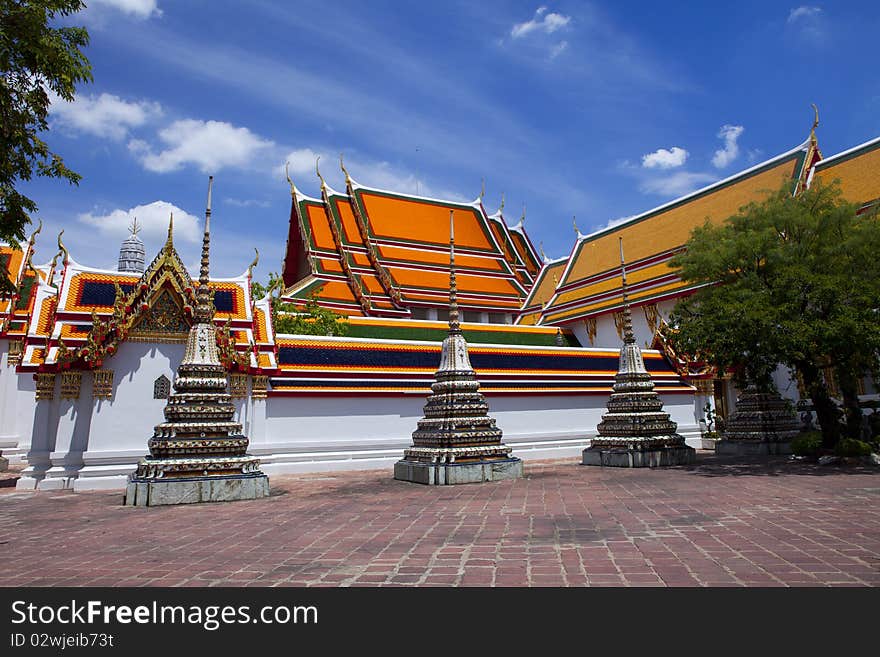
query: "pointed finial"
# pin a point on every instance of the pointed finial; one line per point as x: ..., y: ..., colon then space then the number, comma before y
x: 502, y: 202
x: 815, y: 121
x: 345, y: 171
x: 63, y: 248
x: 170, y: 239
x: 30, y: 248
x: 134, y: 227
x: 289, y: 181
x: 628, y: 337
x: 522, y: 218
x: 205, y: 307
x: 454, y: 325
x: 574, y: 223
x: 482, y: 188
x: 323, y: 184
x: 541, y: 248
x: 256, y: 261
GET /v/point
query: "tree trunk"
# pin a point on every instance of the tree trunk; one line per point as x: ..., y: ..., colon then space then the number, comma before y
x: 827, y: 413
x: 849, y: 389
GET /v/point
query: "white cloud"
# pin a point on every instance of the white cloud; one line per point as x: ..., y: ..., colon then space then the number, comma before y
x: 246, y: 203
x: 558, y: 49
x: 665, y: 159
x: 210, y: 145
x: 153, y: 220
x: 541, y: 22
x: 372, y: 173
x: 803, y: 12
x: 677, y: 184
x: 616, y: 222
x: 103, y: 116
x: 138, y: 8
x: 730, y: 151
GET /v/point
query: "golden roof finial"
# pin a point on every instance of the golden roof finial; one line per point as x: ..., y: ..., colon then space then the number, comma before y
x: 815, y: 121
x: 502, y: 202
x: 289, y: 181
x: 254, y: 263
x: 30, y: 248
x: 63, y: 248
x: 574, y: 223
x: 345, y: 171
x: 482, y: 188
x: 541, y: 248
x: 323, y: 184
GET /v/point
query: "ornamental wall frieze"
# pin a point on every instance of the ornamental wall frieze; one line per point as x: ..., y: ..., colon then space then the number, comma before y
x: 70, y: 384
x: 45, y: 386
x: 260, y: 387
x: 102, y: 384
x: 14, y: 355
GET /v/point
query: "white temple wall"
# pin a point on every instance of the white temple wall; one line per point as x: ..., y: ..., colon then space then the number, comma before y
x: 16, y: 408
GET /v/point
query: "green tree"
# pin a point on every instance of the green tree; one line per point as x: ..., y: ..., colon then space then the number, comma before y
x: 792, y: 280
x: 296, y: 320
x: 35, y: 59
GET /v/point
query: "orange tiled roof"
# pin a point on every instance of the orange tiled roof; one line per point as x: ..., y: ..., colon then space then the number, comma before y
x: 590, y: 283
x: 857, y: 169
x: 392, y: 253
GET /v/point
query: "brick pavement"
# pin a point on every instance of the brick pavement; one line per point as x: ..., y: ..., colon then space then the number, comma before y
x: 717, y: 523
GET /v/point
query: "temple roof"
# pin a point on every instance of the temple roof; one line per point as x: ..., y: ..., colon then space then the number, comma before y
x: 83, y: 316
x: 376, y: 252
x: 857, y: 169
x: 590, y: 283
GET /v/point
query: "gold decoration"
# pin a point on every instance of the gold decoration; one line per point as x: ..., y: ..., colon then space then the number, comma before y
x: 260, y: 387
x: 45, y: 386
x: 652, y: 314
x: 619, y: 322
x: 16, y: 350
x: 70, y: 384
x: 289, y: 181
x: 102, y: 384
x: 63, y: 249
x: 238, y: 386
x: 590, y: 325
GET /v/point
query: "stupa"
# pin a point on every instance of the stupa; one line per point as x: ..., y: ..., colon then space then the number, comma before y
x: 132, y: 253
x: 762, y: 423
x: 456, y: 442
x: 198, y: 454
x: 635, y: 432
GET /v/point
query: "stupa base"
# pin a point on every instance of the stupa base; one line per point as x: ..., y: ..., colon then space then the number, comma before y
x: 726, y: 447
x: 628, y: 457
x: 470, y: 472
x: 195, y: 490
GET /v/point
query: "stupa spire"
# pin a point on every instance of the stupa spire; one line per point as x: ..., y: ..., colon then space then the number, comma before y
x: 454, y: 324
x: 205, y: 306
x: 628, y: 336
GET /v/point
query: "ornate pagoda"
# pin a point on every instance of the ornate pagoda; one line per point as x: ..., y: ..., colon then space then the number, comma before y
x: 762, y: 423
x: 198, y: 454
x: 456, y: 441
x: 635, y: 432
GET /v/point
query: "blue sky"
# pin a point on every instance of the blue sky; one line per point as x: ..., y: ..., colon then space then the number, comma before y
x: 597, y: 110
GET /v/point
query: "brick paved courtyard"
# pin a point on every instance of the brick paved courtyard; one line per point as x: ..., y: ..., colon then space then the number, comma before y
x: 717, y: 523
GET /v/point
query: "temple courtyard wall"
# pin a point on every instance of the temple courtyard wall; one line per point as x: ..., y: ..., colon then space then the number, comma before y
x: 92, y: 443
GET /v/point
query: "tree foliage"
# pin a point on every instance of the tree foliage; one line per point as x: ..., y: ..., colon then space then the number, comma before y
x: 792, y: 280
x: 36, y: 59
x: 296, y: 320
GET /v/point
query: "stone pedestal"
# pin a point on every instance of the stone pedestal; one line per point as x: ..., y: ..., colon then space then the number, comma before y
x: 183, y: 490
x: 4, y: 463
x: 438, y: 474
x: 635, y: 458
x: 762, y: 424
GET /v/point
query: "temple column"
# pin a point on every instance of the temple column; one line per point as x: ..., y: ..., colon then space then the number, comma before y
x: 43, y: 430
